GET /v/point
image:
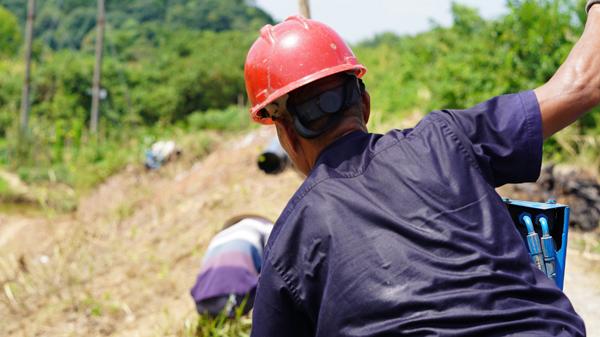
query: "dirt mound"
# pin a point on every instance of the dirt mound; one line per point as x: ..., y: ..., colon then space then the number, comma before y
x: 568, y: 185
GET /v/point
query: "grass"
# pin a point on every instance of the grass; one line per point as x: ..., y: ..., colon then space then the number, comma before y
x: 220, y: 326
x: 223, y: 327
x: 586, y: 242
x: 61, y: 173
x: 5, y: 190
x: 576, y: 149
x: 233, y: 118
x: 126, y: 259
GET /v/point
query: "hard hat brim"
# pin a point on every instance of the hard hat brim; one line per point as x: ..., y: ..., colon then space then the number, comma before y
x: 358, y: 69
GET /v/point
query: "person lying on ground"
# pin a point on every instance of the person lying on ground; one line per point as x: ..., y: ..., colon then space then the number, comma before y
x: 403, y: 233
x: 229, y: 273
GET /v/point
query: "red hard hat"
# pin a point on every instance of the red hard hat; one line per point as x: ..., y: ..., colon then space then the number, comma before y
x: 291, y: 54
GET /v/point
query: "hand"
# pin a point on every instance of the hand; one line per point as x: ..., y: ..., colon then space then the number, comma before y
x: 591, y: 3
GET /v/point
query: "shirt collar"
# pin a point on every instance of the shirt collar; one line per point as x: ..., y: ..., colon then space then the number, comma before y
x: 339, y: 150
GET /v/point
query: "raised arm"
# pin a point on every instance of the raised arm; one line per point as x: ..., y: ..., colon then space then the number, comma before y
x: 575, y: 88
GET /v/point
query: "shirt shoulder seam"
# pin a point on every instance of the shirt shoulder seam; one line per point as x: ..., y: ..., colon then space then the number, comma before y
x: 459, y: 138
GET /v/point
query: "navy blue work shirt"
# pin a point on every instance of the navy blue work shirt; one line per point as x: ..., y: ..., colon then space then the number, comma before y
x: 403, y: 234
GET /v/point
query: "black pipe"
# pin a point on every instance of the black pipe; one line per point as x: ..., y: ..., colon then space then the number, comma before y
x: 273, y: 159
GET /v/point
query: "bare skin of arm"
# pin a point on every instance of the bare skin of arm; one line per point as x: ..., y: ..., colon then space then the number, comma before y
x: 575, y: 87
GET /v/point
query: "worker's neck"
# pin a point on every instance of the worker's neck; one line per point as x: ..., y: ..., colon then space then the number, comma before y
x: 313, y: 148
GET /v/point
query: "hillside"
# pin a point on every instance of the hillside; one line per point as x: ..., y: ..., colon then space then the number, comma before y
x: 124, y: 263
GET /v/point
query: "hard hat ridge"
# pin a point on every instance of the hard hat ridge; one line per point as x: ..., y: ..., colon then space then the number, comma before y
x: 266, y: 32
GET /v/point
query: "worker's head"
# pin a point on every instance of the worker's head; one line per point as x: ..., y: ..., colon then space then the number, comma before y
x: 301, y: 76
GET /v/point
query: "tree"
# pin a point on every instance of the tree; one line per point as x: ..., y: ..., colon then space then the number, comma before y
x: 66, y: 23
x: 10, y: 35
x: 466, y: 19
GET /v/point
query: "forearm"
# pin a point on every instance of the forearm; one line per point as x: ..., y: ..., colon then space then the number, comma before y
x: 575, y: 88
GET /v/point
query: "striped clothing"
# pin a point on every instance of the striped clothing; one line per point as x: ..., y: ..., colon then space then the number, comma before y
x: 233, y: 260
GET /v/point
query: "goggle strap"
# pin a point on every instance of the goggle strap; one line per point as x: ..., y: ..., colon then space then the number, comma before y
x: 352, y: 91
x: 308, y: 133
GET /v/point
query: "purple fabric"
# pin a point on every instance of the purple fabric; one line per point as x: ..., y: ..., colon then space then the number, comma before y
x: 223, y: 281
x: 230, y: 258
x: 403, y: 234
x: 232, y: 262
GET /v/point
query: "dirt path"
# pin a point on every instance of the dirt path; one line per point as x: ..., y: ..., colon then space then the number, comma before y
x: 123, y: 265
x: 582, y: 286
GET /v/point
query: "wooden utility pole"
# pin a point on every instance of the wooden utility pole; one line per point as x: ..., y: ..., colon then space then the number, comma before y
x: 97, y: 68
x: 27, y: 81
x: 304, y: 8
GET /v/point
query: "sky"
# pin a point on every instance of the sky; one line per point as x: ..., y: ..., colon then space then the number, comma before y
x: 357, y: 20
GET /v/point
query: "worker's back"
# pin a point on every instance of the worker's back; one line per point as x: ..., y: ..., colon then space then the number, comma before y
x: 230, y: 267
x: 404, y: 234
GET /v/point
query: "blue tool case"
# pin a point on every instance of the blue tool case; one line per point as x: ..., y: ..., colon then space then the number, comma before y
x: 544, y: 228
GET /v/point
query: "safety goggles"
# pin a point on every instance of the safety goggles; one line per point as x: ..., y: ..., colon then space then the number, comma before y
x: 327, y: 103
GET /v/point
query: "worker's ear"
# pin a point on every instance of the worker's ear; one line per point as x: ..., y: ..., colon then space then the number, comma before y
x: 288, y: 138
x: 294, y: 146
x: 293, y: 138
x: 366, y: 105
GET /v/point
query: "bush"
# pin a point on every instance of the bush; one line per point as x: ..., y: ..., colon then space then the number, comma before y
x: 10, y: 34
x: 5, y: 190
x: 233, y: 118
x: 473, y: 60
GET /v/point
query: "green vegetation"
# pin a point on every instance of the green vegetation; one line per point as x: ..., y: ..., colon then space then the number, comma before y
x: 5, y: 189
x: 68, y: 23
x: 162, y: 71
x: 220, y: 326
x: 10, y: 36
x: 176, y: 67
x: 223, y: 327
x: 476, y: 59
